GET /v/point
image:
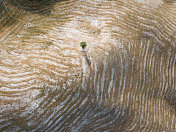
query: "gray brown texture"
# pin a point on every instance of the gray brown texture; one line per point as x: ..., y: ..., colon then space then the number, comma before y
x: 125, y: 80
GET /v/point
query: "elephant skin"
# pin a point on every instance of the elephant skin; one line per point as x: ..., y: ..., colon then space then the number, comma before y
x: 124, y: 80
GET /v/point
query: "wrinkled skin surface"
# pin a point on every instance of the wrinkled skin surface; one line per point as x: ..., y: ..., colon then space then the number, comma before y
x: 125, y: 79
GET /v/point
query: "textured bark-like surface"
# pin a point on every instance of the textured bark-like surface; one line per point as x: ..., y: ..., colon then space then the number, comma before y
x: 125, y: 79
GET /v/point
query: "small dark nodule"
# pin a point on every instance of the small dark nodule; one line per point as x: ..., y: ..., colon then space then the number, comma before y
x: 83, y: 45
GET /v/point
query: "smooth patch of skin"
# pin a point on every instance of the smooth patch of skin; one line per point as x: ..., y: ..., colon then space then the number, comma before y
x: 124, y: 81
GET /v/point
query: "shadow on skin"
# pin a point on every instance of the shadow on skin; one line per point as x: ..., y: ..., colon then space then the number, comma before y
x: 42, y: 7
x: 11, y: 10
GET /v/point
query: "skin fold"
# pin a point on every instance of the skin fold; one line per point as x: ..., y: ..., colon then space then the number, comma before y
x: 124, y: 80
